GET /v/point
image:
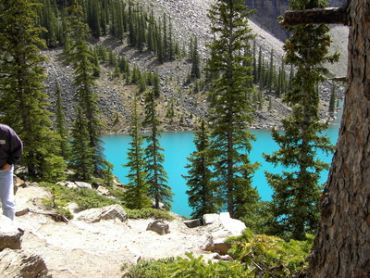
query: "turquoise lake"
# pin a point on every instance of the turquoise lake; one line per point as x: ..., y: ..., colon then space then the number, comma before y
x: 178, y: 146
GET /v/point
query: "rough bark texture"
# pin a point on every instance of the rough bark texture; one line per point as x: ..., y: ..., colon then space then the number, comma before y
x: 342, y: 248
x: 327, y: 15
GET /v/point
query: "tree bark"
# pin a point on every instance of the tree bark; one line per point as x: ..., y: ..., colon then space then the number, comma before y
x: 319, y: 16
x: 342, y: 247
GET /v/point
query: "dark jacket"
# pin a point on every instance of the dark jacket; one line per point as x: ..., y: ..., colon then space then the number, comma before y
x: 10, y: 146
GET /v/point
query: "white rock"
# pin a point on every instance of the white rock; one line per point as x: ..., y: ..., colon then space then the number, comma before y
x: 10, y: 235
x: 19, y: 263
x: 82, y: 184
x: 106, y: 213
x: 103, y: 191
x: 210, y: 218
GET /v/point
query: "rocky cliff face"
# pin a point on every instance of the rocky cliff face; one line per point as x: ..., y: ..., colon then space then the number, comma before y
x: 267, y: 12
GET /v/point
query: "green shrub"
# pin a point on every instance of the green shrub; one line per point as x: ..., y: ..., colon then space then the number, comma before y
x: 188, y: 267
x: 88, y: 198
x: 84, y: 198
x: 148, y: 213
x: 269, y: 256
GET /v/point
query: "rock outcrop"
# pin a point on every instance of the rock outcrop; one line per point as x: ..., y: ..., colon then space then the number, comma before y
x: 10, y: 235
x: 105, y: 213
x: 19, y: 263
x: 221, y: 228
x: 159, y: 226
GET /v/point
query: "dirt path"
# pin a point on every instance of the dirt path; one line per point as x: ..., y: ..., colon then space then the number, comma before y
x: 80, y: 249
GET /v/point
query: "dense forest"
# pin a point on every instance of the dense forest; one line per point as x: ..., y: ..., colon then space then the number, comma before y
x: 236, y: 79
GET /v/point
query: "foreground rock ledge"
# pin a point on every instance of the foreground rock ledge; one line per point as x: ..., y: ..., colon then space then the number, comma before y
x: 10, y: 236
x: 18, y: 263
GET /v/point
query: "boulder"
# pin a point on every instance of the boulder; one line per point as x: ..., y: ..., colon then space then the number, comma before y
x: 81, y: 184
x: 193, y: 223
x: 69, y: 184
x: 18, y: 263
x: 103, y: 191
x: 210, y: 218
x: 10, y: 235
x: 159, y: 226
x: 105, y: 213
x: 220, y: 230
x: 73, y: 208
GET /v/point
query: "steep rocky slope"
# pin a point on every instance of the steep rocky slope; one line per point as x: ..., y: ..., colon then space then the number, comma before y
x: 115, y: 98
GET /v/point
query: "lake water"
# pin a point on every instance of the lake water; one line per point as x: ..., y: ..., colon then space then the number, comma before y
x: 178, y: 146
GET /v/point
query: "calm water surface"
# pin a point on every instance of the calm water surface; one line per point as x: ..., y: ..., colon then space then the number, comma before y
x: 178, y: 146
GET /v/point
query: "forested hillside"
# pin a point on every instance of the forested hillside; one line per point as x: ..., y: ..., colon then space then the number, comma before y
x: 175, y: 24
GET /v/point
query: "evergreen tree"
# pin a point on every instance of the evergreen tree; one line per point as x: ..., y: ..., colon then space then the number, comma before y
x: 136, y: 196
x: 82, y: 154
x: 332, y: 100
x: 61, y: 125
x: 195, y: 60
x: 271, y: 72
x: 297, y: 190
x: 23, y: 103
x: 156, y: 175
x: 86, y: 99
x: 203, y: 192
x: 93, y: 17
x: 230, y: 111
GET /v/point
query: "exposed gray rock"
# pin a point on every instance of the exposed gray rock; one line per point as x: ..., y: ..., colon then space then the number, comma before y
x: 210, y: 218
x: 10, y: 235
x: 81, y: 184
x: 73, y: 208
x: 69, y: 184
x: 221, y: 229
x: 103, y: 191
x: 105, y: 213
x: 193, y: 223
x: 159, y: 226
x: 18, y: 263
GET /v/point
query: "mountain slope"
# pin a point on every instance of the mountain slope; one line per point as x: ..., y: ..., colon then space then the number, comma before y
x: 189, y: 17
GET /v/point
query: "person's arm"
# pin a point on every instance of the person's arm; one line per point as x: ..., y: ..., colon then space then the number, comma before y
x: 16, y: 148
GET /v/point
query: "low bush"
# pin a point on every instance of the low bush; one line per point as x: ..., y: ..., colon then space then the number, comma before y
x: 148, y: 213
x: 88, y: 198
x: 188, y: 267
x: 269, y: 256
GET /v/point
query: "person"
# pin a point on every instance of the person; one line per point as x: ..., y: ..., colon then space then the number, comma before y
x: 11, y: 148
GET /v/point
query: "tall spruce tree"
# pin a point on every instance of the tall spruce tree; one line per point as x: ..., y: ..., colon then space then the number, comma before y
x: 204, y: 196
x: 81, y: 152
x: 195, y: 59
x: 23, y: 103
x: 60, y: 124
x: 230, y: 111
x: 332, y: 100
x: 136, y: 196
x: 297, y: 190
x: 84, y: 69
x: 155, y: 173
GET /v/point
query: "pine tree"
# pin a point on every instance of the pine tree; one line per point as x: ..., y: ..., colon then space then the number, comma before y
x: 203, y: 192
x: 136, y: 196
x: 61, y: 125
x: 23, y: 103
x: 195, y: 60
x: 82, y: 154
x: 332, y: 101
x: 86, y: 99
x: 93, y: 17
x: 297, y: 190
x: 271, y: 72
x: 156, y: 175
x: 230, y: 111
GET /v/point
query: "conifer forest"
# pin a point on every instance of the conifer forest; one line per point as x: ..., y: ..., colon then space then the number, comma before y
x: 228, y: 138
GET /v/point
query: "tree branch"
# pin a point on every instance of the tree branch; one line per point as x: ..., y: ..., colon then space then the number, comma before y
x: 316, y: 16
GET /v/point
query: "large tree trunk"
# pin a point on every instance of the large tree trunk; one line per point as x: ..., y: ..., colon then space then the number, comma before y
x: 342, y: 248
